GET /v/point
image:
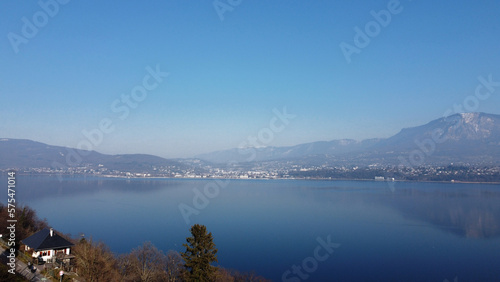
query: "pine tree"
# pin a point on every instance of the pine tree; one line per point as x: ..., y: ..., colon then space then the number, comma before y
x: 200, y: 253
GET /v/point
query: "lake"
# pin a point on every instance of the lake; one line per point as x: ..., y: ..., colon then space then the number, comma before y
x: 290, y: 230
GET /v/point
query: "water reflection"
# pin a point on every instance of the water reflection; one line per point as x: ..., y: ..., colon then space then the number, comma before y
x: 471, y: 212
x: 466, y: 210
x: 39, y: 187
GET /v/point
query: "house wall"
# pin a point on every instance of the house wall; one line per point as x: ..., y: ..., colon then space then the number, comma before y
x: 46, y: 254
x: 49, y: 254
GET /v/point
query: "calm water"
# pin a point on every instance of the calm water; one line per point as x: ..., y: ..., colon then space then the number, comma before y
x: 413, y: 232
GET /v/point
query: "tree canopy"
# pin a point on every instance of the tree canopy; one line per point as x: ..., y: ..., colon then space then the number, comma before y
x: 199, y: 255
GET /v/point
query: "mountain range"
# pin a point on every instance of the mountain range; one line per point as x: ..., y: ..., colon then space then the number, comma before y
x: 460, y: 138
x: 466, y: 138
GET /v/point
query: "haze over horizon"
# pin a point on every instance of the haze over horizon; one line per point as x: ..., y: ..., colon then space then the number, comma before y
x: 229, y: 74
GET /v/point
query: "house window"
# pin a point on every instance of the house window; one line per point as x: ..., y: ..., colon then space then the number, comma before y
x: 45, y: 253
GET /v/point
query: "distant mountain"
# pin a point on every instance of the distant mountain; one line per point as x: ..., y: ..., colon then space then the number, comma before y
x: 335, y: 147
x: 19, y: 153
x: 467, y: 138
x: 461, y: 138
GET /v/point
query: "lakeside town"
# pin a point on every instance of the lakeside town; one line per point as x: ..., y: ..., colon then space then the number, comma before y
x: 276, y: 170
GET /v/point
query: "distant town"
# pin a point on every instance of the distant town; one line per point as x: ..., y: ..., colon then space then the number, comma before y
x: 279, y: 170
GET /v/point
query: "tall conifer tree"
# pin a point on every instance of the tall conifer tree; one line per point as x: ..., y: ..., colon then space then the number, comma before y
x: 200, y: 253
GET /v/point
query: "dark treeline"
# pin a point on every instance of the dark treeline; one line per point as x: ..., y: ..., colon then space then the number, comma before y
x: 94, y: 261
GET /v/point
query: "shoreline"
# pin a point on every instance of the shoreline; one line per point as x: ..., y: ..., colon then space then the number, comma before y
x: 266, y: 179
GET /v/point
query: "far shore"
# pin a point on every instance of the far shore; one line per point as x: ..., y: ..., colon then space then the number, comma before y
x: 267, y: 179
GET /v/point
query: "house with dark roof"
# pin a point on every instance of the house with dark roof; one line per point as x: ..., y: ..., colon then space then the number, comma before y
x: 48, y: 245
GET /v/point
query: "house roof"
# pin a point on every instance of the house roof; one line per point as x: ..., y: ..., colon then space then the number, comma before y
x: 42, y: 240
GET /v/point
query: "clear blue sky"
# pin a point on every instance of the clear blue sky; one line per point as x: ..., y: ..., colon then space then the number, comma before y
x: 226, y: 76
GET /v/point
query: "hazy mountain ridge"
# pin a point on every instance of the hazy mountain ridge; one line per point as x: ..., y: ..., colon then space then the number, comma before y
x: 290, y: 152
x: 460, y: 138
x: 21, y: 153
x: 465, y: 138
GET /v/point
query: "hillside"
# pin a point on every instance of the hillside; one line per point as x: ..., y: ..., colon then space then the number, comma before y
x: 19, y: 153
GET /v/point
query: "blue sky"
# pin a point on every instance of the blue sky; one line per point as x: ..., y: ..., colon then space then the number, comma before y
x: 226, y: 76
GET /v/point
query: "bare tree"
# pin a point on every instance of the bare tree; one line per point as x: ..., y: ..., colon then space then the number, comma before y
x: 174, y: 266
x: 126, y: 268
x: 145, y: 263
x: 95, y: 262
x: 27, y: 222
x: 223, y: 275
